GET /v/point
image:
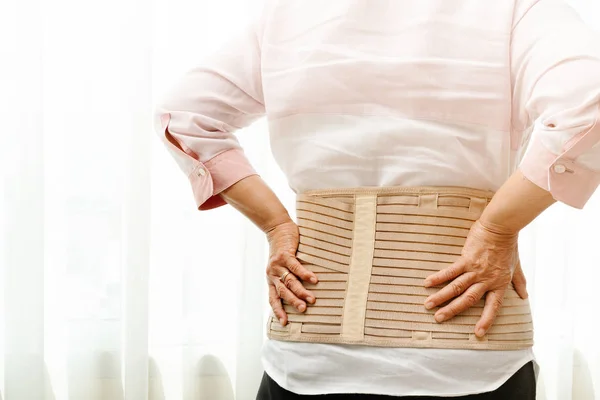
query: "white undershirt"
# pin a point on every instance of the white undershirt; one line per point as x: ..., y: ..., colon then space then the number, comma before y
x: 316, y: 368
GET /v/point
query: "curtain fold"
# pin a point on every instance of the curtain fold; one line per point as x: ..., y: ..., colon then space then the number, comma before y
x: 135, y: 58
x: 24, y: 227
x: 113, y: 286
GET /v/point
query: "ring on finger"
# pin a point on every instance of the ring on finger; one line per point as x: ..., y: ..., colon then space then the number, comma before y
x: 283, y: 276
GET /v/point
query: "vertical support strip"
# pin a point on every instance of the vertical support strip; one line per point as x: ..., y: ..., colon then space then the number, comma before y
x: 361, y: 263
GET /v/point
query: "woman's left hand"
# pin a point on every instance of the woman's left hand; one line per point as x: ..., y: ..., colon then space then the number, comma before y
x: 489, y: 261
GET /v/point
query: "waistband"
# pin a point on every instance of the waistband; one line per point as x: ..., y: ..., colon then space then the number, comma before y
x: 371, y: 249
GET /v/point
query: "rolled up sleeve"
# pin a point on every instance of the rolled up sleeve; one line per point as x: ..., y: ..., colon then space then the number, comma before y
x: 555, y: 62
x: 197, y: 118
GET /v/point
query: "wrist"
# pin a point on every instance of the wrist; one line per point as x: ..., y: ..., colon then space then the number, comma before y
x: 275, y: 222
x: 496, y: 228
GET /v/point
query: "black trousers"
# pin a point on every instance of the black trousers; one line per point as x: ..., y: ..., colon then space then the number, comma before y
x: 520, y: 386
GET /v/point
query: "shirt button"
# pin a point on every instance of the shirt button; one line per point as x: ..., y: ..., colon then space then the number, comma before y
x: 560, y: 169
x: 201, y: 172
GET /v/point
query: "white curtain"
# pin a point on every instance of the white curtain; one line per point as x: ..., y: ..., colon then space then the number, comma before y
x: 112, y: 285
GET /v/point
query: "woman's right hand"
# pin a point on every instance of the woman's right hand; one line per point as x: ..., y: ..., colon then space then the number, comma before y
x: 283, y: 244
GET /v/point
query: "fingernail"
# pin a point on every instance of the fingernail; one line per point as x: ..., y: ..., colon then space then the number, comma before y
x: 301, y: 307
x: 281, y: 321
x: 427, y: 282
x: 480, y: 332
x: 310, y: 299
x: 440, y: 317
x: 313, y: 279
x: 429, y: 305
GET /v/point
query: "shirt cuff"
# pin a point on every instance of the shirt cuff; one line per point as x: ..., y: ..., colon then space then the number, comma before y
x: 567, y: 181
x: 210, y: 178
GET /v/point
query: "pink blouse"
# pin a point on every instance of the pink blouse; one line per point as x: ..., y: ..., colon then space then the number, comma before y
x: 377, y: 92
x: 524, y: 69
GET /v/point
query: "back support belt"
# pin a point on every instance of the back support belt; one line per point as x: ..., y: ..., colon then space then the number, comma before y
x: 371, y: 249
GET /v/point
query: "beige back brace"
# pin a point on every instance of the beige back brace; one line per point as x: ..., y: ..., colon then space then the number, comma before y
x: 371, y: 249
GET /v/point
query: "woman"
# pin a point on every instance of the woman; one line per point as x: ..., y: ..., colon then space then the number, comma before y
x: 488, y: 97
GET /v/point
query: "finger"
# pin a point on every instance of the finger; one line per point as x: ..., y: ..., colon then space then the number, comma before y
x: 275, y: 302
x: 465, y: 301
x: 286, y: 295
x: 493, y: 302
x: 450, y: 291
x: 292, y: 283
x: 451, y: 272
x: 519, y: 282
x: 299, y: 270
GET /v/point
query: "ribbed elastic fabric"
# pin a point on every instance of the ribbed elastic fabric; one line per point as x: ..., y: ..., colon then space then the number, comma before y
x: 372, y: 248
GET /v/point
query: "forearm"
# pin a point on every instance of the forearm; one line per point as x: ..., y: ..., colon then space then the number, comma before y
x: 252, y: 197
x: 518, y: 202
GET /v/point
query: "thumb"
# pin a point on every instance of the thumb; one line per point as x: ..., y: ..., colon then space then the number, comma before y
x: 519, y: 282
